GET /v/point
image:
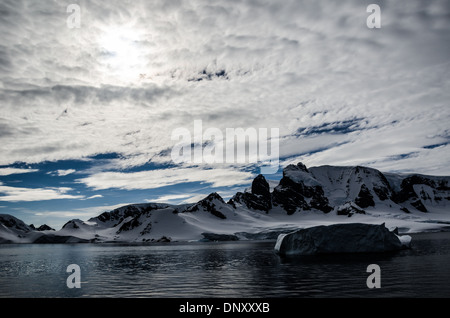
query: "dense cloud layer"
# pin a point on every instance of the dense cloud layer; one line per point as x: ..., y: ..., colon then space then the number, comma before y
x: 340, y: 93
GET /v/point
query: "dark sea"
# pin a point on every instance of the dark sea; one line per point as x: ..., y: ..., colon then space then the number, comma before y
x: 222, y: 269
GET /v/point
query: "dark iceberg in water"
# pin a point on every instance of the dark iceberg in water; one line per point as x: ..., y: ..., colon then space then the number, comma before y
x: 341, y: 238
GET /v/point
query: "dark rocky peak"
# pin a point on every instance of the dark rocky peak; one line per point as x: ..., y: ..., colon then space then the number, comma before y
x: 252, y: 201
x: 258, y: 199
x: 213, y: 197
x: 260, y: 186
x: 293, y: 194
x: 296, y: 188
x: 44, y: 227
x: 212, y: 203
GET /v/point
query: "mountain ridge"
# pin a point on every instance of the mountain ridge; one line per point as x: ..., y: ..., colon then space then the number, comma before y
x: 324, y: 192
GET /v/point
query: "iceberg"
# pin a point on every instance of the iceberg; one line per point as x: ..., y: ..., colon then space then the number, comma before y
x: 341, y: 238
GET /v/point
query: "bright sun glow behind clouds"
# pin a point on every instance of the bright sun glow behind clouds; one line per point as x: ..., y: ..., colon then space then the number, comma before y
x: 122, y: 55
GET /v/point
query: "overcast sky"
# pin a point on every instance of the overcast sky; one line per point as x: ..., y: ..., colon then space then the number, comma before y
x: 86, y: 114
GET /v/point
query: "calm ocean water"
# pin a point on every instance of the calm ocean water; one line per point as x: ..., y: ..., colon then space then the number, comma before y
x: 238, y: 269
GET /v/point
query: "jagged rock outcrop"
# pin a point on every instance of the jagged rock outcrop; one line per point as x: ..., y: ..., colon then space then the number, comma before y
x: 419, y: 191
x: 364, y: 198
x: 43, y: 227
x: 259, y: 198
x: 212, y: 204
x: 327, y: 187
x: 129, y: 225
x: 299, y: 190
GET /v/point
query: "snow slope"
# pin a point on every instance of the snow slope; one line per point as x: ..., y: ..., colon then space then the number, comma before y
x: 13, y: 230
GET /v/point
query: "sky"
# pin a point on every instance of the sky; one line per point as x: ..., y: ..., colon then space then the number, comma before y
x: 87, y: 114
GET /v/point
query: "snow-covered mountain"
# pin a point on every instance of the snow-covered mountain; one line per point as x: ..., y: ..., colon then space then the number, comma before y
x: 14, y: 230
x: 328, y: 188
x: 302, y: 198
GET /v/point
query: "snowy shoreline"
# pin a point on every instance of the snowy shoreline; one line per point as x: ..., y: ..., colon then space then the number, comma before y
x: 264, y: 228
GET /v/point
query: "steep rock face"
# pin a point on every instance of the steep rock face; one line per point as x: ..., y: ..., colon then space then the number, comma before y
x: 319, y: 201
x: 298, y: 189
x: 129, y: 225
x: 364, y: 198
x: 213, y: 203
x: 327, y: 187
x: 407, y: 190
x: 261, y: 187
x: 289, y: 196
x: 421, y: 191
x: 147, y: 229
x: 342, y: 184
x: 340, y: 238
x: 259, y: 198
